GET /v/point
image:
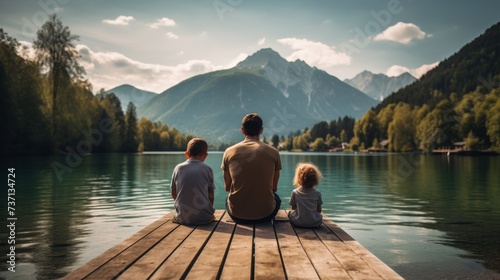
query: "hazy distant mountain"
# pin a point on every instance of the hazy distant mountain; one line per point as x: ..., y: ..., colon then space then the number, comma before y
x: 379, y: 86
x: 288, y: 95
x: 127, y: 93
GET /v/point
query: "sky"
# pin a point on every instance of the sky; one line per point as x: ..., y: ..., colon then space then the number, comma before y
x: 156, y: 44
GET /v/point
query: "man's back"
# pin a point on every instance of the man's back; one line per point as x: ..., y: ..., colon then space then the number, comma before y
x: 252, y: 166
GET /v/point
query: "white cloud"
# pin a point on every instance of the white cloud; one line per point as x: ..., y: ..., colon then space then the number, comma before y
x: 26, y: 50
x: 238, y: 59
x: 401, y: 32
x: 152, y: 77
x: 172, y: 35
x: 261, y: 42
x: 397, y: 70
x: 121, y: 20
x: 420, y: 71
x: 315, y: 53
x: 163, y: 22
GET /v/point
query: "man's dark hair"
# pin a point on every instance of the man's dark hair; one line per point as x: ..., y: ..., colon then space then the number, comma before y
x: 252, y: 124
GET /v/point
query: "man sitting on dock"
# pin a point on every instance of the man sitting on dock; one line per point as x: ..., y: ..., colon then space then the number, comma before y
x: 251, y: 171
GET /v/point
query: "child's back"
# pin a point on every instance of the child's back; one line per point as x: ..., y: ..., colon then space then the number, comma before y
x: 305, y: 199
x: 193, y: 186
x: 307, y: 202
x: 193, y: 180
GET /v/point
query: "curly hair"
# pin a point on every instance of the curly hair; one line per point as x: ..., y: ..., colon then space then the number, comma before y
x: 307, y: 175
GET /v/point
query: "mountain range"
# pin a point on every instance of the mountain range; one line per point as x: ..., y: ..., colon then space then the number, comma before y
x: 127, y: 93
x: 379, y: 86
x: 289, y: 96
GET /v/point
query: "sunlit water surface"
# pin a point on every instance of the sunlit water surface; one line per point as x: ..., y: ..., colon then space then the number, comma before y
x: 428, y: 217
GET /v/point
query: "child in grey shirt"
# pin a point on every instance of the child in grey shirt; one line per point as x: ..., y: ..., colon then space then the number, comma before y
x: 305, y: 199
x: 193, y: 186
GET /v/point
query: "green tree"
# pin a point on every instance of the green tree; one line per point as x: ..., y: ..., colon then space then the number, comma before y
x: 384, y: 118
x: 76, y: 121
x: 481, y: 117
x: 56, y: 53
x: 493, y: 122
x: 300, y: 143
x: 401, y: 131
x: 332, y: 141
x: 471, y: 142
x: 22, y: 108
x: 366, y: 128
x: 319, y: 145
x: 132, y: 140
x: 288, y: 143
x: 347, y: 124
x: 146, y: 128
x: 275, y: 139
x: 439, y: 128
x: 114, y: 114
x: 334, y: 127
x: 343, y: 136
x: 356, y: 144
x: 319, y: 130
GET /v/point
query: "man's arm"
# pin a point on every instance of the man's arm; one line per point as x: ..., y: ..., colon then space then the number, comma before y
x: 227, y: 180
x: 275, y: 180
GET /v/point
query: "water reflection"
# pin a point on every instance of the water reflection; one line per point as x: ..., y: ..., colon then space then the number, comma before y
x: 464, y: 197
x: 434, y: 214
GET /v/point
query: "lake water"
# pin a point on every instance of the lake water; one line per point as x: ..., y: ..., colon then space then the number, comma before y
x: 428, y: 217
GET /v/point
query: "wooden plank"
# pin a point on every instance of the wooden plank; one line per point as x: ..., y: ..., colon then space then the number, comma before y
x: 209, y: 262
x: 86, y: 269
x: 239, y: 256
x: 224, y: 249
x: 295, y: 260
x: 324, y: 262
x: 118, y: 264
x: 382, y: 269
x: 282, y: 216
x: 147, y: 264
x: 350, y: 261
x: 267, y: 261
x: 181, y: 259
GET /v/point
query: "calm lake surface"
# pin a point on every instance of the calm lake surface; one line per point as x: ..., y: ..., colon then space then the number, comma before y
x: 428, y: 217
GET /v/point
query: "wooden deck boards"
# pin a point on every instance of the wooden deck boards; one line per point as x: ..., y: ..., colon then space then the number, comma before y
x: 225, y: 250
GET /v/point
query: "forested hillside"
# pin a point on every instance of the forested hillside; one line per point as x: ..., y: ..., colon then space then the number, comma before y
x: 47, y: 106
x: 455, y: 102
x: 475, y: 67
x: 458, y: 101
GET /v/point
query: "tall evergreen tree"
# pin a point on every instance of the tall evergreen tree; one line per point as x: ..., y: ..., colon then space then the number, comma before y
x: 275, y: 139
x: 56, y: 54
x: 132, y: 140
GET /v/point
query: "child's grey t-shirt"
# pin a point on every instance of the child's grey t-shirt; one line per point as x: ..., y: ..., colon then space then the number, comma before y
x: 192, y: 179
x: 307, y: 202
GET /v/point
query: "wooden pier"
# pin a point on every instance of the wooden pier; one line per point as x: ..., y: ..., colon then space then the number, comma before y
x: 226, y: 250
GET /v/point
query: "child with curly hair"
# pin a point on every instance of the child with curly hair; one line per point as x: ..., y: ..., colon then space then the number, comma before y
x: 305, y: 199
